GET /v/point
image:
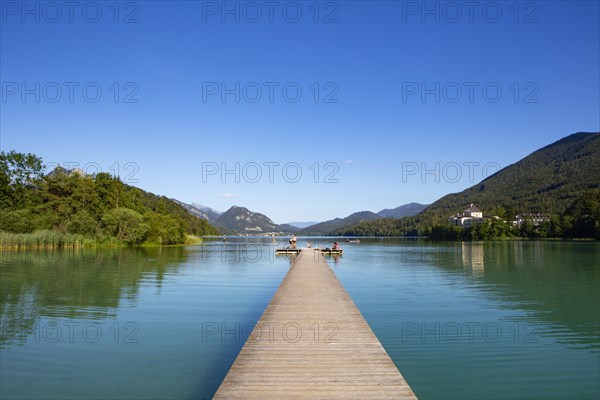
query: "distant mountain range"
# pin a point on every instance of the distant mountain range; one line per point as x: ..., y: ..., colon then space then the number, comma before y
x: 326, y: 227
x: 240, y: 220
x: 547, y: 181
x: 301, y: 225
x: 199, y: 211
x: 210, y: 212
x: 406, y: 210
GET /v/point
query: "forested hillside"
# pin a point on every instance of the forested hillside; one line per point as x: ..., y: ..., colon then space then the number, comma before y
x: 561, y: 180
x: 547, y: 180
x: 98, y: 207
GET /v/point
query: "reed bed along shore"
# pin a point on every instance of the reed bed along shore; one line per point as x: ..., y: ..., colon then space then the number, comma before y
x: 43, y: 239
x: 48, y: 239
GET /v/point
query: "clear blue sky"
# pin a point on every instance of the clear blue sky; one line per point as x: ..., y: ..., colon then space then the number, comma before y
x: 372, y: 119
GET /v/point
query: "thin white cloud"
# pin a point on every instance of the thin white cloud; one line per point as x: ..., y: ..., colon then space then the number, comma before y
x: 229, y: 194
x: 349, y: 162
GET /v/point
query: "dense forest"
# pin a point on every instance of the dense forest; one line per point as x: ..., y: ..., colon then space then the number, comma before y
x: 561, y: 180
x: 72, y: 207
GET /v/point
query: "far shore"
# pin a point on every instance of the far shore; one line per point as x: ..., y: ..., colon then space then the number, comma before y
x: 32, y: 241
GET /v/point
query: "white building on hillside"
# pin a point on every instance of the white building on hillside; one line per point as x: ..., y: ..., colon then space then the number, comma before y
x: 470, y: 216
x: 535, y: 218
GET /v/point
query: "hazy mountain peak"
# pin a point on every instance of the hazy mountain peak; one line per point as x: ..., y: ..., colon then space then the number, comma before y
x: 206, y: 208
x: 301, y: 224
x: 326, y: 227
x: 406, y: 210
x: 242, y: 220
x: 199, y: 211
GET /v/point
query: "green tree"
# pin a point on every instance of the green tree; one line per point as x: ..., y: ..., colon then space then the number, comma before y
x: 126, y: 225
x: 18, y: 221
x: 84, y: 223
x: 165, y: 229
x: 18, y: 173
x: 107, y: 189
x: 585, y: 211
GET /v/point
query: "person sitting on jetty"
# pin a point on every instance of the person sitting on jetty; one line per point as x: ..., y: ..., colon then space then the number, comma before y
x: 336, y: 246
x: 293, y: 242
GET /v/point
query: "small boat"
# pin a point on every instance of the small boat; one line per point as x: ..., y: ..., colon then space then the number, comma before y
x: 287, y: 251
x: 331, y: 251
x: 352, y: 240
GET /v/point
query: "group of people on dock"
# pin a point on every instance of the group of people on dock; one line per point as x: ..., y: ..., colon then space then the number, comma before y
x: 293, y: 244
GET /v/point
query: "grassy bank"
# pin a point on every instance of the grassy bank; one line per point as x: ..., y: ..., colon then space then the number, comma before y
x: 48, y: 239
x: 43, y: 239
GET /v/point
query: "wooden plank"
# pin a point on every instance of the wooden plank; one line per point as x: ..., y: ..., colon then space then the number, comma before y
x: 312, y: 342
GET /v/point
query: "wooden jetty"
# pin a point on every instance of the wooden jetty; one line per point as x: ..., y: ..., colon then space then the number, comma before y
x: 312, y: 342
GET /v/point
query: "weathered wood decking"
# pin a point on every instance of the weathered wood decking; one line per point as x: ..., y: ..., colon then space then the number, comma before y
x: 312, y: 342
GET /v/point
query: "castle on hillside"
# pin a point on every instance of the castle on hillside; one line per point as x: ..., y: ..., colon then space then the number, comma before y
x: 470, y: 216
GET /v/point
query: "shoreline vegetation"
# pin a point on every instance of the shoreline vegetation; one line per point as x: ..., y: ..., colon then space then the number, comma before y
x: 53, y: 240
x: 69, y: 208
x: 41, y: 240
x: 580, y: 221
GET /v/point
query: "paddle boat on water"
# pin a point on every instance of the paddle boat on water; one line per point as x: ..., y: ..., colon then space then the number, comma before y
x: 329, y: 251
x: 287, y: 251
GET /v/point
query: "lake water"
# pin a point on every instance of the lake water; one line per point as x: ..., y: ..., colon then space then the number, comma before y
x: 501, y: 320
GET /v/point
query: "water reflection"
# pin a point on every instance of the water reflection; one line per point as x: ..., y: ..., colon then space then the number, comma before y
x: 397, y: 284
x: 555, y: 283
x: 93, y: 284
x: 128, y: 323
x: 523, y: 312
x: 473, y: 257
x: 75, y: 284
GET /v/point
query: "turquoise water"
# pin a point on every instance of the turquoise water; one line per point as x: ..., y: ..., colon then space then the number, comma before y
x: 461, y: 320
x: 502, y: 320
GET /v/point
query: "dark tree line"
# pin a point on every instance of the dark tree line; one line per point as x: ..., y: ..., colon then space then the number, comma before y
x: 580, y: 220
